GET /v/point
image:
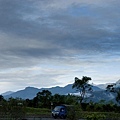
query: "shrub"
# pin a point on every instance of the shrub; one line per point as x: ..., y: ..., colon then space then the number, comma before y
x: 95, y: 116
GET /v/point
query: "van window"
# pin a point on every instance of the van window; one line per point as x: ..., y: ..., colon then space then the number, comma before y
x: 62, y: 109
x: 57, y: 108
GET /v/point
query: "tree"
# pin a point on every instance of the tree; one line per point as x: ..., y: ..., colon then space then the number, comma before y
x: 1, y: 98
x: 113, y: 88
x: 110, y: 88
x: 118, y: 96
x: 82, y: 86
x: 44, y: 98
x: 58, y: 99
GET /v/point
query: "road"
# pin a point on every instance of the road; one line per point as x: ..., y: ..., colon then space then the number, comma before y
x: 34, y: 118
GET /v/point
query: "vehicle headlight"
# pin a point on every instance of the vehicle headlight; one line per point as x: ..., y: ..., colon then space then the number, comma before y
x: 57, y: 112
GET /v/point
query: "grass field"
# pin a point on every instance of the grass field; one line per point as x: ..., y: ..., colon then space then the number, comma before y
x: 79, y: 114
x: 38, y: 112
x: 44, y: 112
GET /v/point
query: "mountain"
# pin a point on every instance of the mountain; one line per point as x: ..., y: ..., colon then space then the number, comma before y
x: 118, y: 82
x: 30, y: 92
x: 7, y: 93
x: 103, y: 95
x: 103, y: 86
x: 61, y: 90
x: 96, y: 88
x: 97, y: 95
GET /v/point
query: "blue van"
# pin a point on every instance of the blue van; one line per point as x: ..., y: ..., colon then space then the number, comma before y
x: 59, y: 112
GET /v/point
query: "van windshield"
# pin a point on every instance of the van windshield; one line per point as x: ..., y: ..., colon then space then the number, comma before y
x: 57, y: 108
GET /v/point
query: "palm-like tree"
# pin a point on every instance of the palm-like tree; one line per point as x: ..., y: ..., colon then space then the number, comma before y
x: 82, y: 86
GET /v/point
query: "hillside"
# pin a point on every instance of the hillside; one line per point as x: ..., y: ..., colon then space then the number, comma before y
x: 30, y: 92
x: 97, y: 95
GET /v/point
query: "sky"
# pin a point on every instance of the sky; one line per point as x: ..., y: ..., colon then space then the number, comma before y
x: 45, y: 43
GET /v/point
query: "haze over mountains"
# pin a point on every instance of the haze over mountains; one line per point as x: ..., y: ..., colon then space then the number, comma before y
x: 30, y: 92
x: 99, y: 92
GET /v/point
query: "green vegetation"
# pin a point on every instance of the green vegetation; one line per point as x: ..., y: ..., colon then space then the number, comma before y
x: 82, y: 86
x: 113, y: 88
x: 18, y: 108
x: 44, y: 102
x: 96, y: 116
x: 37, y: 111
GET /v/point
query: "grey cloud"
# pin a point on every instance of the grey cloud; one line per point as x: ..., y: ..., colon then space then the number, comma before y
x: 36, y: 25
x: 37, y: 52
x: 58, y: 26
x: 71, y: 34
x: 31, y: 76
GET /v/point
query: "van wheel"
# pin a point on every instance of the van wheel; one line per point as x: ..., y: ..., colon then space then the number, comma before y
x: 55, y: 116
x: 62, y: 117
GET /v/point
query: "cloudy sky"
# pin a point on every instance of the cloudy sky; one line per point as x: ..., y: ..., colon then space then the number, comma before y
x: 46, y: 43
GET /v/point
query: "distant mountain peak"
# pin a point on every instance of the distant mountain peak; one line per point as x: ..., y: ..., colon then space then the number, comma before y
x: 7, y: 93
x: 118, y: 82
x: 30, y: 88
x: 97, y: 95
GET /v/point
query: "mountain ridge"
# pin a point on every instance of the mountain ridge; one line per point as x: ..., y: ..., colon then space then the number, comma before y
x: 97, y: 95
x: 30, y: 92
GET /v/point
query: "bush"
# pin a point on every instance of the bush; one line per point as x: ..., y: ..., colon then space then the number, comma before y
x: 17, y: 112
x: 95, y: 116
x: 71, y: 114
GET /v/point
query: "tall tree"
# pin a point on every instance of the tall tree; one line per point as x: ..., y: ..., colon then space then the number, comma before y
x: 82, y: 86
x: 118, y: 96
x: 44, y: 98
x: 115, y: 89
x: 58, y: 99
x: 1, y: 98
x: 110, y: 88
